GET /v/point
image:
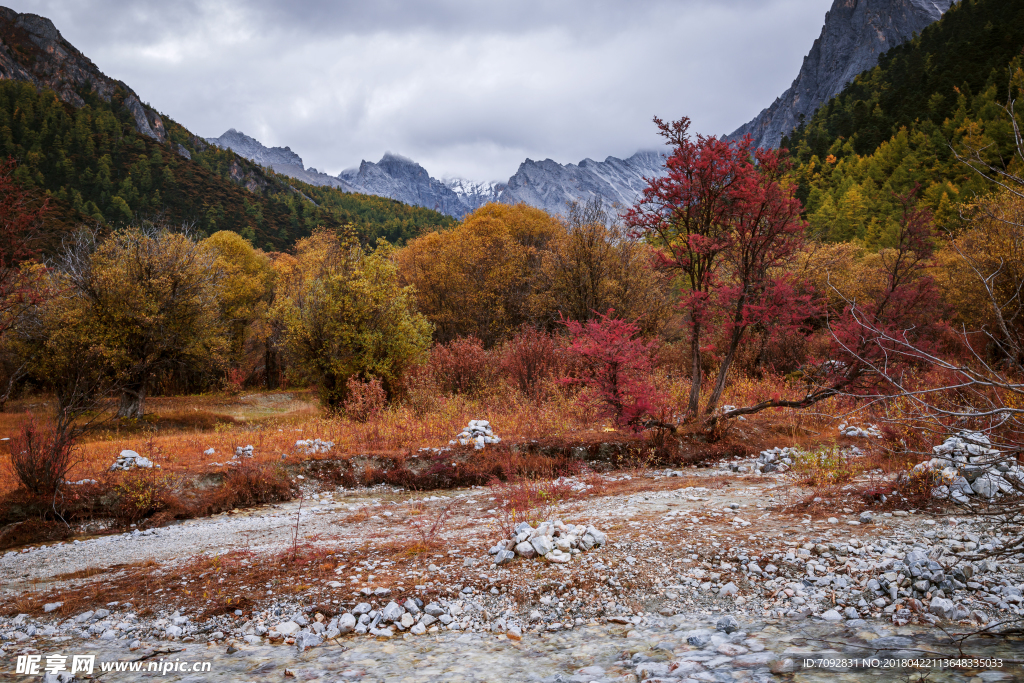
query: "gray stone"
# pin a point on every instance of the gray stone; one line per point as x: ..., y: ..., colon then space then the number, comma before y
x: 728, y: 624
x: 393, y: 612
x: 434, y: 610
x: 698, y: 638
x: 728, y: 589
x: 504, y: 557
x: 832, y: 615
x: 941, y: 608
x: 599, y: 537
x: 306, y: 640
x: 362, y: 608
x: 346, y: 623
x: 287, y: 628
x: 526, y: 550
x: 542, y: 544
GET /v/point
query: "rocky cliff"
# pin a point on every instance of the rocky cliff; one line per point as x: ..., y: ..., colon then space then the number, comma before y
x: 282, y: 159
x: 855, y: 33
x: 545, y: 184
x: 33, y: 50
x: 403, y: 179
x: 550, y: 186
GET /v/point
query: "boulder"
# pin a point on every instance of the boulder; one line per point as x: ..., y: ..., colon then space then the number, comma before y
x: 346, y: 623
x: 728, y: 624
x: 287, y: 628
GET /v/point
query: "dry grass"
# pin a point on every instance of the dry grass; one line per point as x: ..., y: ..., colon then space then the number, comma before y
x: 180, y: 429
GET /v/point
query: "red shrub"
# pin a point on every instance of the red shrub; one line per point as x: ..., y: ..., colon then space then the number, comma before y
x: 530, y: 358
x: 614, y: 368
x: 461, y: 366
x: 365, y: 399
x: 41, y: 458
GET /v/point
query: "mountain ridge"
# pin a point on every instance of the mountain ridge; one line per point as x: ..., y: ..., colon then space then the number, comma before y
x: 547, y: 184
x: 854, y: 35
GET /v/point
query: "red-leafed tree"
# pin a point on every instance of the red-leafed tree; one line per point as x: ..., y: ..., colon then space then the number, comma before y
x: 690, y: 213
x: 727, y: 220
x: 613, y: 363
x: 872, y: 337
x: 766, y: 234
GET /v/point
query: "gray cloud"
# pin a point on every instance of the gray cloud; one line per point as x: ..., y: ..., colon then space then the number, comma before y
x: 465, y: 88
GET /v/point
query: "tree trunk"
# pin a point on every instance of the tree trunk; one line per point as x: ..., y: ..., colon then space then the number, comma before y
x: 734, y: 343
x: 271, y: 372
x: 696, y: 374
x: 132, y: 402
x: 723, y: 372
x: 15, y: 376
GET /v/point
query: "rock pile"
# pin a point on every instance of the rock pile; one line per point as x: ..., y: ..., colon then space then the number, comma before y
x: 869, y: 432
x: 243, y: 452
x: 554, y: 541
x: 966, y: 465
x: 411, y: 615
x: 130, y: 459
x: 478, y: 433
x: 312, y: 446
x: 775, y: 459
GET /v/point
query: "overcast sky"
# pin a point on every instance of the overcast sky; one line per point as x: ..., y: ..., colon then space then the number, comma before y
x: 465, y: 88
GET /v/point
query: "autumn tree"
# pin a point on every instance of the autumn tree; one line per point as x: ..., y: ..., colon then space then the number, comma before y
x: 715, y: 209
x: 246, y: 292
x: 478, y: 278
x: 147, y: 300
x: 595, y: 264
x: 767, y: 233
x: 876, y: 306
x: 614, y: 363
x: 345, y: 314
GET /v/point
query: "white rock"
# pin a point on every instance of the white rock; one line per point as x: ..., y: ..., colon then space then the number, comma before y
x: 287, y: 628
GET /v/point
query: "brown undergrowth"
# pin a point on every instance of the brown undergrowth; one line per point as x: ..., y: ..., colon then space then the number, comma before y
x: 140, y: 497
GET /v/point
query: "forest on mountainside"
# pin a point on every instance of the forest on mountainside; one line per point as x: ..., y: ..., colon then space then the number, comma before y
x: 98, y: 169
x: 896, y: 126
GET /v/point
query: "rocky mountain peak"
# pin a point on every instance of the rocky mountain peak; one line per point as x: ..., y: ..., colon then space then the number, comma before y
x: 33, y: 50
x: 855, y: 34
x: 281, y: 159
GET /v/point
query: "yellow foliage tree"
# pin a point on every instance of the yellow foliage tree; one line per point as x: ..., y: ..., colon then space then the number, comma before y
x: 479, y: 277
x: 344, y: 314
x: 144, y: 300
x: 247, y: 289
x: 594, y: 265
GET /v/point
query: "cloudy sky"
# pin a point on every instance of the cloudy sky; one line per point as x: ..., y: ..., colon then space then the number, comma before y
x: 466, y: 88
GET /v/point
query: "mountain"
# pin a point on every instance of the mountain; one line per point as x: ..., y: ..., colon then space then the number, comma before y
x: 34, y: 51
x: 549, y: 185
x: 855, y: 33
x: 403, y: 179
x: 282, y: 159
x: 102, y: 156
x: 544, y: 184
x: 475, y: 194
x: 894, y: 129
